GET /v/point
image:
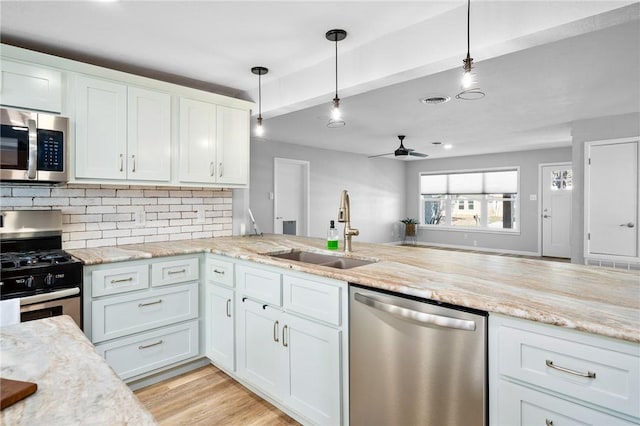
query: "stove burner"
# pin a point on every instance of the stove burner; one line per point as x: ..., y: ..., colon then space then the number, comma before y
x: 26, y: 260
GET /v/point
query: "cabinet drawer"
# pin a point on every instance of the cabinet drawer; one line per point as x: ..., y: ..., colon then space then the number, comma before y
x: 174, y: 271
x: 311, y: 298
x: 220, y: 271
x: 139, y: 354
x: 119, y: 280
x: 261, y: 285
x: 522, y: 406
x: 555, y: 363
x: 131, y: 313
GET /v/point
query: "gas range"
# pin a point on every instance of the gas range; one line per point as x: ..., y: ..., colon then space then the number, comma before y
x: 34, y: 269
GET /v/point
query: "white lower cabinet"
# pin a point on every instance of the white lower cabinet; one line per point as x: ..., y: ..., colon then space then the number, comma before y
x: 284, y: 351
x: 220, y: 329
x: 545, y: 375
x: 143, y: 315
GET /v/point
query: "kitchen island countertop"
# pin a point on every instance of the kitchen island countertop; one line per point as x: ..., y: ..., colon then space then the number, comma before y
x: 596, y: 300
x: 75, y: 384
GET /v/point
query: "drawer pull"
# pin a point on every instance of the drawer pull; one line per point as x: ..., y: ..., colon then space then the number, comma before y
x: 218, y: 272
x: 140, y: 305
x: 229, y: 308
x: 284, y: 341
x: 275, y: 332
x: 548, y: 422
x: 181, y: 271
x: 588, y: 374
x: 159, y: 342
x: 123, y: 280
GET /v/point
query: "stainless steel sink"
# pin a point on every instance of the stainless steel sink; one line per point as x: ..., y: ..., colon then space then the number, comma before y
x: 323, y: 259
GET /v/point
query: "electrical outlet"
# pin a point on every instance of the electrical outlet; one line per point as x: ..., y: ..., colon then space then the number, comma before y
x: 200, y: 216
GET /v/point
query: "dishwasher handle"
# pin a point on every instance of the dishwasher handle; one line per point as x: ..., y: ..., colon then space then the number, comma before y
x: 422, y: 317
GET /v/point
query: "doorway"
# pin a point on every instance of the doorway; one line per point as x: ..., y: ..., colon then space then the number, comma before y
x: 557, y: 186
x: 291, y: 197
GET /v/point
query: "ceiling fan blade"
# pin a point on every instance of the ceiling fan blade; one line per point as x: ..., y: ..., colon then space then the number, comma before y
x: 418, y: 154
x: 380, y: 155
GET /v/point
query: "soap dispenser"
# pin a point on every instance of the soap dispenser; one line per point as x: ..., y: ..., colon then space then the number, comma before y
x: 332, y: 236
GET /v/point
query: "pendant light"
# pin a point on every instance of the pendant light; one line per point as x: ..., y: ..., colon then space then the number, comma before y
x: 336, y: 116
x: 469, y: 92
x: 260, y: 71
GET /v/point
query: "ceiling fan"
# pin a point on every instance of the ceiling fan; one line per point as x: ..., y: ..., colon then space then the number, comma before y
x: 402, y: 151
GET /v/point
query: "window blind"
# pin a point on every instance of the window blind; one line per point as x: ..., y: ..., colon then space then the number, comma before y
x: 487, y: 182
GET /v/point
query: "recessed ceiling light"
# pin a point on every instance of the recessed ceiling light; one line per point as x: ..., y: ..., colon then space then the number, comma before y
x: 448, y: 146
x: 435, y: 99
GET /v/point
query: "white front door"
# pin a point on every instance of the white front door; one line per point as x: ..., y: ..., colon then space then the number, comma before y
x: 291, y: 200
x: 612, y: 198
x: 557, y: 185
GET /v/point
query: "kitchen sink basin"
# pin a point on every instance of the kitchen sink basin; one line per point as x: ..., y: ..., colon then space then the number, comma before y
x: 320, y: 259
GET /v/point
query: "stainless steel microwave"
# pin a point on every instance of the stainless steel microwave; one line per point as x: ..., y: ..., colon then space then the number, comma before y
x: 33, y: 147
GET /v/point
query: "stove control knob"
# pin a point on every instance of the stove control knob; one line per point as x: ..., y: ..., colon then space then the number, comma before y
x: 29, y: 283
x: 49, y: 280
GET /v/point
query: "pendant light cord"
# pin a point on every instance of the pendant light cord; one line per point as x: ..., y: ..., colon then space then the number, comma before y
x: 260, y: 95
x: 468, y: 19
x: 336, y: 42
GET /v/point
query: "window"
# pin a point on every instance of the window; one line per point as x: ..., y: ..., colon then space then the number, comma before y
x: 485, y: 199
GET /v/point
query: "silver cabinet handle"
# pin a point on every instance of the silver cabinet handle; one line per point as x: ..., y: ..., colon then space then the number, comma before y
x: 159, y: 342
x: 121, y: 162
x: 211, y: 169
x: 32, y: 165
x: 546, y: 216
x: 228, y: 308
x: 275, y: 331
x: 423, y: 317
x: 220, y: 169
x: 218, y: 272
x: 133, y: 168
x: 588, y: 374
x: 181, y: 271
x: 628, y: 225
x: 140, y: 305
x: 284, y: 330
x: 548, y: 422
x: 123, y: 280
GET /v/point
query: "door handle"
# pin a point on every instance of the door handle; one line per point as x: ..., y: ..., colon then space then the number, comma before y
x: 275, y: 332
x: 220, y: 169
x: 212, y: 168
x: 133, y: 160
x: 228, y: 308
x: 628, y: 225
x: 121, y: 162
x: 423, y: 317
x: 546, y: 216
x: 32, y: 165
x: 284, y: 341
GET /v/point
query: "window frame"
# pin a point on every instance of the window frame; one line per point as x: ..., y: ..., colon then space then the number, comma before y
x: 483, y: 207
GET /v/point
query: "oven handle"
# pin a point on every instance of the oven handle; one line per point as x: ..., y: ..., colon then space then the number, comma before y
x: 49, y: 296
x: 32, y: 166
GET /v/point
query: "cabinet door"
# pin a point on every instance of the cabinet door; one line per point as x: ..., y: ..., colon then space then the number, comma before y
x: 197, y: 141
x: 31, y: 87
x: 261, y: 358
x: 314, y: 387
x: 101, y: 135
x: 149, y: 135
x: 612, y: 194
x: 219, y: 326
x: 232, y: 146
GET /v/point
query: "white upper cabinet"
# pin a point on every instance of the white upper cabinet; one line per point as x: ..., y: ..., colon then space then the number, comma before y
x: 101, y: 132
x: 233, y: 146
x: 122, y: 132
x: 149, y: 135
x: 214, y: 143
x: 30, y: 87
x: 611, y: 199
x: 197, y: 141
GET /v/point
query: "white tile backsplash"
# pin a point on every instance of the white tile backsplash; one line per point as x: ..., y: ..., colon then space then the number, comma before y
x: 108, y: 215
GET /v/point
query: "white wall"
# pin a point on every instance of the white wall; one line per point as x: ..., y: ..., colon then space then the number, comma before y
x: 527, y: 240
x: 376, y: 190
x: 612, y: 127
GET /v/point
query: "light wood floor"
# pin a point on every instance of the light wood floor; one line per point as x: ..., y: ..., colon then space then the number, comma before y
x: 207, y: 396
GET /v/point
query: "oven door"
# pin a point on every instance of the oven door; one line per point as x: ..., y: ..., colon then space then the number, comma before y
x: 14, y: 152
x: 63, y: 302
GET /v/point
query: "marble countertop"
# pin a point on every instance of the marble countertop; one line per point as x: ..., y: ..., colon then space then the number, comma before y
x: 597, y: 300
x: 75, y: 384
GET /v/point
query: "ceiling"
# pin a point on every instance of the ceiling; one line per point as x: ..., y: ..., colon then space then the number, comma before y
x: 542, y: 64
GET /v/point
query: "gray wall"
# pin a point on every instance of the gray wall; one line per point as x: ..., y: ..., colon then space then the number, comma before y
x: 376, y: 189
x: 528, y: 161
x: 612, y: 127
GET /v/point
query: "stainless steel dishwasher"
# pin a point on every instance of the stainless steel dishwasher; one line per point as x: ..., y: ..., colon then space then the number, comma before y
x: 415, y: 362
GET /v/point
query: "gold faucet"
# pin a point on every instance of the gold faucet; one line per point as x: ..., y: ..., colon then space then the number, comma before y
x: 344, y: 216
